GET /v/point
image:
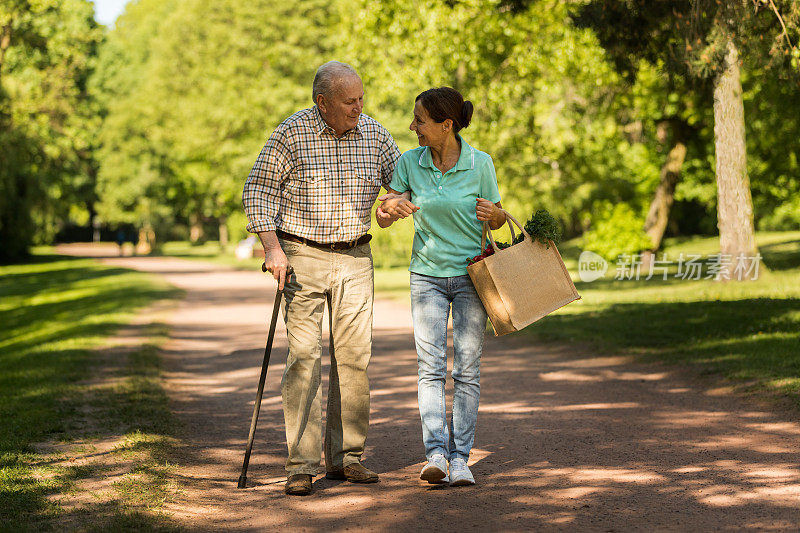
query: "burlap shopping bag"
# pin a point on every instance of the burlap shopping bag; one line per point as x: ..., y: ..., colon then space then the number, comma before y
x: 522, y: 283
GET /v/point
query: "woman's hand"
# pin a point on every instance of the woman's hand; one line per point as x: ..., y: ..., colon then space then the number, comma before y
x: 397, y: 205
x: 486, y: 211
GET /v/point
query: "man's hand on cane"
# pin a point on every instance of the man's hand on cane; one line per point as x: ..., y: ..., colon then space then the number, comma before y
x: 276, y: 263
x: 275, y: 260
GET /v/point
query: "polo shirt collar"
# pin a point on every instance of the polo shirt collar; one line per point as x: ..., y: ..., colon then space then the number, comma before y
x: 466, y: 160
x: 320, y: 126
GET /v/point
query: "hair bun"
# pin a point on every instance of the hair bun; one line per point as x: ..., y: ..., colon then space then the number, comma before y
x: 445, y: 103
x: 466, y: 113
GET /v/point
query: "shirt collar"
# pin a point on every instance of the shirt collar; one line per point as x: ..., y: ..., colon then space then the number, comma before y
x: 466, y: 160
x: 320, y: 126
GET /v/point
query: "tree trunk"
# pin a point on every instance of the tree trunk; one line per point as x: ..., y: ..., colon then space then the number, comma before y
x: 655, y: 225
x: 95, y: 227
x: 223, y: 233
x: 460, y: 76
x: 734, y: 202
x: 146, y: 242
x: 657, y: 217
x: 195, y: 229
x: 5, y: 43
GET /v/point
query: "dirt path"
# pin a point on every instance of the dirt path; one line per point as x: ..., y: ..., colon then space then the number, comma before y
x: 567, y: 440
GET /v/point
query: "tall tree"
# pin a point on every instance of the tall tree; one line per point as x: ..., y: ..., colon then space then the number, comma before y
x: 132, y: 183
x: 216, y: 112
x: 664, y: 113
x: 46, y: 51
x: 702, y: 39
x: 193, y: 90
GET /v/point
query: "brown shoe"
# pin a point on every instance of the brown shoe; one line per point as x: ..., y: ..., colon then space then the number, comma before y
x: 336, y: 473
x: 357, y: 473
x: 298, y: 485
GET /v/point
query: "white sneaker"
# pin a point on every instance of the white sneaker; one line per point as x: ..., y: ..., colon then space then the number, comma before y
x: 436, y: 470
x: 459, y: 473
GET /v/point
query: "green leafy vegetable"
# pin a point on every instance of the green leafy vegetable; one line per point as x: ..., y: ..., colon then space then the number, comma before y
x: 542, y: 227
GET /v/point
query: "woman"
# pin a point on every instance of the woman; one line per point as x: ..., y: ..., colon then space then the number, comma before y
x: 451, y: 189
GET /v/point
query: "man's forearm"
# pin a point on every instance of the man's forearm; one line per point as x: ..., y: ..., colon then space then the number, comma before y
x: 269, y: 240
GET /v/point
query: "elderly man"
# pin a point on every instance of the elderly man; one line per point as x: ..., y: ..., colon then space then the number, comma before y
x: 308, y: 198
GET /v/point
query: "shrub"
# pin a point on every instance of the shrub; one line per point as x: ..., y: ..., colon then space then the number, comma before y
x: 616, y: 230
x: 785, y: 217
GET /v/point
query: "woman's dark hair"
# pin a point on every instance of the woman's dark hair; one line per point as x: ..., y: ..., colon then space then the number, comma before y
x: 442, y: 103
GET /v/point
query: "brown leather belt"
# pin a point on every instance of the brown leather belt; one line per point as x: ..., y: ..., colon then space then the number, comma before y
x: 339, y: 245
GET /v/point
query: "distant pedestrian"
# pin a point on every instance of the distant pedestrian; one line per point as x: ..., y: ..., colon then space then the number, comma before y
x: 120, y: 240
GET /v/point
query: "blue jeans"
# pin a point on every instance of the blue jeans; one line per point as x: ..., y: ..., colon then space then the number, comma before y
x: 431, y: 299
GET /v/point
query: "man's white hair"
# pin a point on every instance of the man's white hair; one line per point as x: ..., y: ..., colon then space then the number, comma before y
x: 327, y: 76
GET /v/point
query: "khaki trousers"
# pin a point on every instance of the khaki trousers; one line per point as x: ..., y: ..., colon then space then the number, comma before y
x: 346, y: 277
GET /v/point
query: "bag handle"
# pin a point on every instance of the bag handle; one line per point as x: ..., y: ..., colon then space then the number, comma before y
x: 509, y: 219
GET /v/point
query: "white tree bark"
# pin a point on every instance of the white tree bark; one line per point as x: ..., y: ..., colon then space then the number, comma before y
x: 734, y: 202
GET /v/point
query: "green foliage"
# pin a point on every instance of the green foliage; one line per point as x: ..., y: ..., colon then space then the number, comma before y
x: 133, y: 181
x: 616, y: 230
x: 46, y: 118
x: 773, y: 151
x: 783, y: 218
x: 193, y: 91
x: 690, y: 38
x: 545, y: 108
x: 236, y: 222
x: 19, y: 194
x: 161, y: 119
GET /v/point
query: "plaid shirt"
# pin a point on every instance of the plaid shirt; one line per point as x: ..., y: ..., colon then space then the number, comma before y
x: 310, y: 183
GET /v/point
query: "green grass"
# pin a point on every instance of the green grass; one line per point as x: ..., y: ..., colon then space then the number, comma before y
x: 392, y: 283
x: 211, y: 252
x: 748, y: 332
x: 55, y: 313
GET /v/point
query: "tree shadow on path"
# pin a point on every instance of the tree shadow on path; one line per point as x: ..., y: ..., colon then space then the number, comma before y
x: 566, y: 440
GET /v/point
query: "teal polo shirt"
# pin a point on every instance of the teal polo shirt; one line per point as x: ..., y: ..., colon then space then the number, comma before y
x: 446, y: 229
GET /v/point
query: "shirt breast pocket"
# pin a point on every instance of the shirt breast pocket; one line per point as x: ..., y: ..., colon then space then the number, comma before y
x: 368, y: 184
x: 369, y: 176
x: 308, y: 189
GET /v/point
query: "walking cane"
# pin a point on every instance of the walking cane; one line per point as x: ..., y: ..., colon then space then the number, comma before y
x: 261, y: 380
